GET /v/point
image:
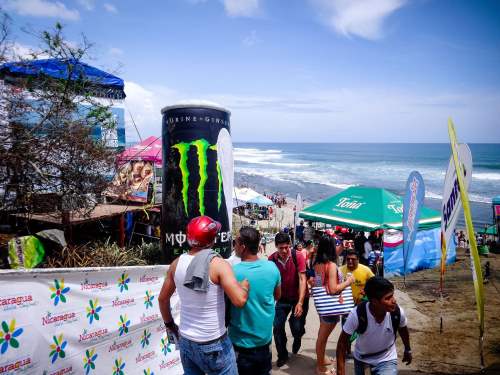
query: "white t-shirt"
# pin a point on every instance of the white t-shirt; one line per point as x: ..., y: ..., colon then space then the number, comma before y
x: 368, y: 248
x: 377, y: 337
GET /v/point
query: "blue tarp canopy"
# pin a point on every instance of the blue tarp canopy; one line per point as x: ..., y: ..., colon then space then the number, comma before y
x: 107, y: 85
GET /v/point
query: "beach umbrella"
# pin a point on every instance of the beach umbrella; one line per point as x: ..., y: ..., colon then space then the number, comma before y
x: 366, y: 209
x: 490, y: 230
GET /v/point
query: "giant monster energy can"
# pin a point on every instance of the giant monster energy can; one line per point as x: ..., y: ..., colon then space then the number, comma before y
x: 198, y: 174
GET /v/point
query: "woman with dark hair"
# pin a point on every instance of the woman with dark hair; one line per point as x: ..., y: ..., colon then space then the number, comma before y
x: 327, y: 273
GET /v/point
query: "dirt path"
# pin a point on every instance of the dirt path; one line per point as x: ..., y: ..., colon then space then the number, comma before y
x: 456, y: 350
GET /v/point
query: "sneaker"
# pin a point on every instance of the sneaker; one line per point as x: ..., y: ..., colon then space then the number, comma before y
x: 281, y: 361
x: 296, y: 345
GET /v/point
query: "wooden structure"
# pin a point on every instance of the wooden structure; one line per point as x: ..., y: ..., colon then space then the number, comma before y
x: 101, y: 211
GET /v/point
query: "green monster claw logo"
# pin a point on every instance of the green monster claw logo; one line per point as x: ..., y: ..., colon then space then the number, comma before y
x: 202, y: 147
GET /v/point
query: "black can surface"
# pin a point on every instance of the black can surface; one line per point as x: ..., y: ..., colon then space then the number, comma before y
x: 197, y: 172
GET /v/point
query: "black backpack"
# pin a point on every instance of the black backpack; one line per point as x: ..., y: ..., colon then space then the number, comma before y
x: 363, y: 319
x: 294, y: 258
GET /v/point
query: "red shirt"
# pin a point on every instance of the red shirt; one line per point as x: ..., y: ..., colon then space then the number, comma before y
x: 289, y: 275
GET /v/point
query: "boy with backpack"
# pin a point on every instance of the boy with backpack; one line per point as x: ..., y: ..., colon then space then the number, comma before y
x: 377, y: 323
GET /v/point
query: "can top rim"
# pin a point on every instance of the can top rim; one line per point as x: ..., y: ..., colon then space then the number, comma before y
x: 194, y: 104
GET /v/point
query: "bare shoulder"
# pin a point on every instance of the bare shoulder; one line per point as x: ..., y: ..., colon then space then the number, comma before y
x: 219, y: 264
x: 173, y: 266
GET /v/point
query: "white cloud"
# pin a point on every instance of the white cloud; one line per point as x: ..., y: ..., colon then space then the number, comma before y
x: 42, y: 8
x: 110, y: 8
x: 144, y: 105
x: 18, y: 51
x: 114, y: 51
x: 87, y: 4
x: 241, y: 8
x: 251, y: 39
x: 344, y: 115
x: 362, y: 18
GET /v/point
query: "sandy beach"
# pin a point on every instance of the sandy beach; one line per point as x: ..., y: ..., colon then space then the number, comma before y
x: 454, y: 351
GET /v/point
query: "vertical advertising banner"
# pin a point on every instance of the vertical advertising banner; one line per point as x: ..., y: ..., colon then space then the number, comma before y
x: 452, y: 203
x: 84, y: 321
x: 477, y: 274
x: 413, y: 200
x: 198, y: 174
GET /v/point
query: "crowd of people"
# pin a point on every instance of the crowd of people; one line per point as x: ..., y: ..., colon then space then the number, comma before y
x: 369, y: 250
x: 278, y: 199
x: 230, y: 313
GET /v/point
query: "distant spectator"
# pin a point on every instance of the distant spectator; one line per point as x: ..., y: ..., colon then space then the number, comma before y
x: 308, y: 232
x: 299, y: 231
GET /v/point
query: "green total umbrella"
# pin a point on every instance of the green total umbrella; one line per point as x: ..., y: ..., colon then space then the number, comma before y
x: 366, y: 208
x: 490, y: 230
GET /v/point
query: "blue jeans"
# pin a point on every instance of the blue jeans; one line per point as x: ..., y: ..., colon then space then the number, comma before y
x: 254, y: 361
x: 296, y: 326
x: 212, y: 359
x: 382, y: 368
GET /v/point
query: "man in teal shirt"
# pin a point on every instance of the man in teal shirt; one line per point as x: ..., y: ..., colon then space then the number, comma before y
x: 250, y: 327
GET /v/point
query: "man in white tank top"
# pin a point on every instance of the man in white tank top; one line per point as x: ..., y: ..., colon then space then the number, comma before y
x: 203, y: 342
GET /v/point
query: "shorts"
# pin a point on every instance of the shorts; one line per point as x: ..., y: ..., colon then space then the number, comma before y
x: 331, y: 319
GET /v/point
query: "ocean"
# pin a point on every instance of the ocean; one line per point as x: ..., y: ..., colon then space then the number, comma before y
x: 319, y: 170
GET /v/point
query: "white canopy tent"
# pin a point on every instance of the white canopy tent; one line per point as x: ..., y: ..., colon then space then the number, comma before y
x: 242, y: 196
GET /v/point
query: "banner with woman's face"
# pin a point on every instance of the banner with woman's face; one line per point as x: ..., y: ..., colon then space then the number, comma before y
x: 131, y: 182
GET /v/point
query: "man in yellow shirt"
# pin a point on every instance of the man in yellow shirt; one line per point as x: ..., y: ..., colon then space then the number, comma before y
x: 360, y: 273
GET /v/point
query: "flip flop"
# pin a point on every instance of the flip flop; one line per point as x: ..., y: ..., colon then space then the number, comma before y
x: 329, y: 361
x: 326, y: 372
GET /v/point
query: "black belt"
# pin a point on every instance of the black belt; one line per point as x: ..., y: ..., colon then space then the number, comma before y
x: 256, y: 349
x: 212, y: 341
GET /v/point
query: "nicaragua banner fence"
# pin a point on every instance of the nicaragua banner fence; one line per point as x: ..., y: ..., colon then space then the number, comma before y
x: 85, y: 321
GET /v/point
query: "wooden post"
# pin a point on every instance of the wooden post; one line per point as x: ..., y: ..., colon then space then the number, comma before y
x: 121, y: 231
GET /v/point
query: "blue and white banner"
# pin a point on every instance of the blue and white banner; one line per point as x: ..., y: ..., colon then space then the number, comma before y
x: 85, y: 321
x: 426, y: 252
x: 413, y: 201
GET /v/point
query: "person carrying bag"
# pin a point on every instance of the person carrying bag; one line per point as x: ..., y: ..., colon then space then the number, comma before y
x: 330, y: 301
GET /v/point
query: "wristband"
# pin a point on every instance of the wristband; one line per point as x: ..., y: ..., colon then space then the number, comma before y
x: 170, y: 324
x: 408, y: 351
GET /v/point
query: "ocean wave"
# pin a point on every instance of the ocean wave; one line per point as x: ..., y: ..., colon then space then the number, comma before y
x: 264, y: 157
x: 296, y: 177
x: 486, y: 176
x: 479, y: 198
x: 431, y: 195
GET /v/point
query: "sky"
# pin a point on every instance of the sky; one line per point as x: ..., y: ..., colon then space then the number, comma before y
x: 294, y: 70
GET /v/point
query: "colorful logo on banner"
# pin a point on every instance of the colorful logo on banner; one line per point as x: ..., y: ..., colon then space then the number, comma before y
x: 146, y: 335
x: 93, y: 310
x: 413, y: 201
x: 148, y: 300
x: 148, y: 372
x: 118, y: 367
x: 89, y: 361
x: 9, y: 336
x: 123, y: 281
x: 59, y: 291
x: 123, y: 324
x: 165, y: 346
x: 202, y: 147
x: 57, y: 349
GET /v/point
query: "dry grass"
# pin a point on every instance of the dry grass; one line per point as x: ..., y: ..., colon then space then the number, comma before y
x: 104, y: 255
